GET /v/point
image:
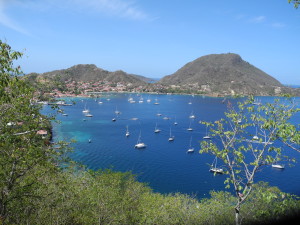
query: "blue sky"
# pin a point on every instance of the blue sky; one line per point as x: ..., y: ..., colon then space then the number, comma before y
x: 152, y: 38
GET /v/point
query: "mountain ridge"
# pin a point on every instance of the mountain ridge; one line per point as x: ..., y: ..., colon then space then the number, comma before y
x: 224, y: 74
x: 90, y: 72
x: 214, y: 75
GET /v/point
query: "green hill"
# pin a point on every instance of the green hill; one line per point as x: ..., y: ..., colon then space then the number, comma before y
x: 87, y: 73
x: 224, y: 74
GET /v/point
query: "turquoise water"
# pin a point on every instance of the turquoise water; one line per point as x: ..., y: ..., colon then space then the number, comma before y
x: 164, y: 165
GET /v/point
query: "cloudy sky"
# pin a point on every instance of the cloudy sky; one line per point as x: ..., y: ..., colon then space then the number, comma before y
x: 152, y: 38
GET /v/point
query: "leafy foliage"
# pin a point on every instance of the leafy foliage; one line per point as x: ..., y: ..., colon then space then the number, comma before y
x: 36, y: 188
x: 295, y: 2
x: 245, y: 151
x: 25, y: 155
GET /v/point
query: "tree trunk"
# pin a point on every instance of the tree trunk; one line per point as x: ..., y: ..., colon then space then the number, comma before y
x: 2, y: 213
x: 237, y: 215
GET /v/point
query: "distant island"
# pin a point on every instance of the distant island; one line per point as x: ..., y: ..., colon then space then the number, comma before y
x: 213, y: 75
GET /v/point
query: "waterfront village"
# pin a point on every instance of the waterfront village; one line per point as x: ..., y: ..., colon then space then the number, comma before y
x: 71, y: 88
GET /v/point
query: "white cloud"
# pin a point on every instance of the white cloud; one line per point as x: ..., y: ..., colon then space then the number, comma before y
x: 258, y: 19
x: 117, y: 8
x: 120, y: 8
x: 6, y: 21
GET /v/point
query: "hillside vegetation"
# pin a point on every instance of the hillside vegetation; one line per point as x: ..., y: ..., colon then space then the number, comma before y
x: 215, y: 75
x: 88, y: 73
x: 39, y: 185
x: 224, y: 74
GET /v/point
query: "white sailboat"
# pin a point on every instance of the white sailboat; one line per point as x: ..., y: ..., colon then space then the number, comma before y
x: 214, y: 167
x: 156, y: 130
x: 206, y: 136
x: 191, y: 149
x: 277, y: 165
x: 141, y: 100
x: 139, y: 143
x: 255, y: 137
x: 175, y: 123
x: 190, y: 128
x: 192, y: 116
x: 85, y: 110
x: 156, y: 102
x: 127, y: 132
x: 117, y: 111
x: 256, y: 102
x: 171, y: 138
x: 130, y: 98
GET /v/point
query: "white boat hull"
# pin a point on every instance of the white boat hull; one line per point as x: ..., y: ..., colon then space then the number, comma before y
x: 278, y: 166
x: 216, y: 170
x: 190, y: 150
x: 140, y: 145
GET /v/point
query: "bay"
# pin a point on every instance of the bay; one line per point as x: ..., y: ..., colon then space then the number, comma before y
x: 165, y: 166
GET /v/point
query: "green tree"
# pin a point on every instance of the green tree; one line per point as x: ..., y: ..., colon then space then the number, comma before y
x: 244, y: 141
x: 25, y: 155
x: 295, y: 2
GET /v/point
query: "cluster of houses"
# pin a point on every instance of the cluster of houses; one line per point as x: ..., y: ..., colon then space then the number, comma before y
x: 83, y: 89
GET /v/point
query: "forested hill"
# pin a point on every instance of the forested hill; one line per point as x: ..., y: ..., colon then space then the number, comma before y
x: 224, y: 74
x: 89, y: 73
x: 214, y: 75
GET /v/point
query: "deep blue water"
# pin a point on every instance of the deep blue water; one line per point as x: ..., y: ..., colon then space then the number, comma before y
x: 164, y: 165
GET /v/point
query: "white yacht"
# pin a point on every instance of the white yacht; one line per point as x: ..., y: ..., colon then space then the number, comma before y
x: 278, y: 166
x: 206, y: 136
x: 192, y: 116
x: 255, y: 137
x: 141, y: 100
x: 214, y: 167
x: 117, y: 111
x: 190, y: 128
x: 127, y: 132
x: 171, y: 138
x: 130, y: 98
x: 256, y: 102
x: 85, y: 110
x: 191, y: 149
x: 139, y: 143
x: 156, y: 130
x: 175, y: 123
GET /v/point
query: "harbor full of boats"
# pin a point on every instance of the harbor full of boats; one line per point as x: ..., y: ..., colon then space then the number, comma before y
x: 156, y: 137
